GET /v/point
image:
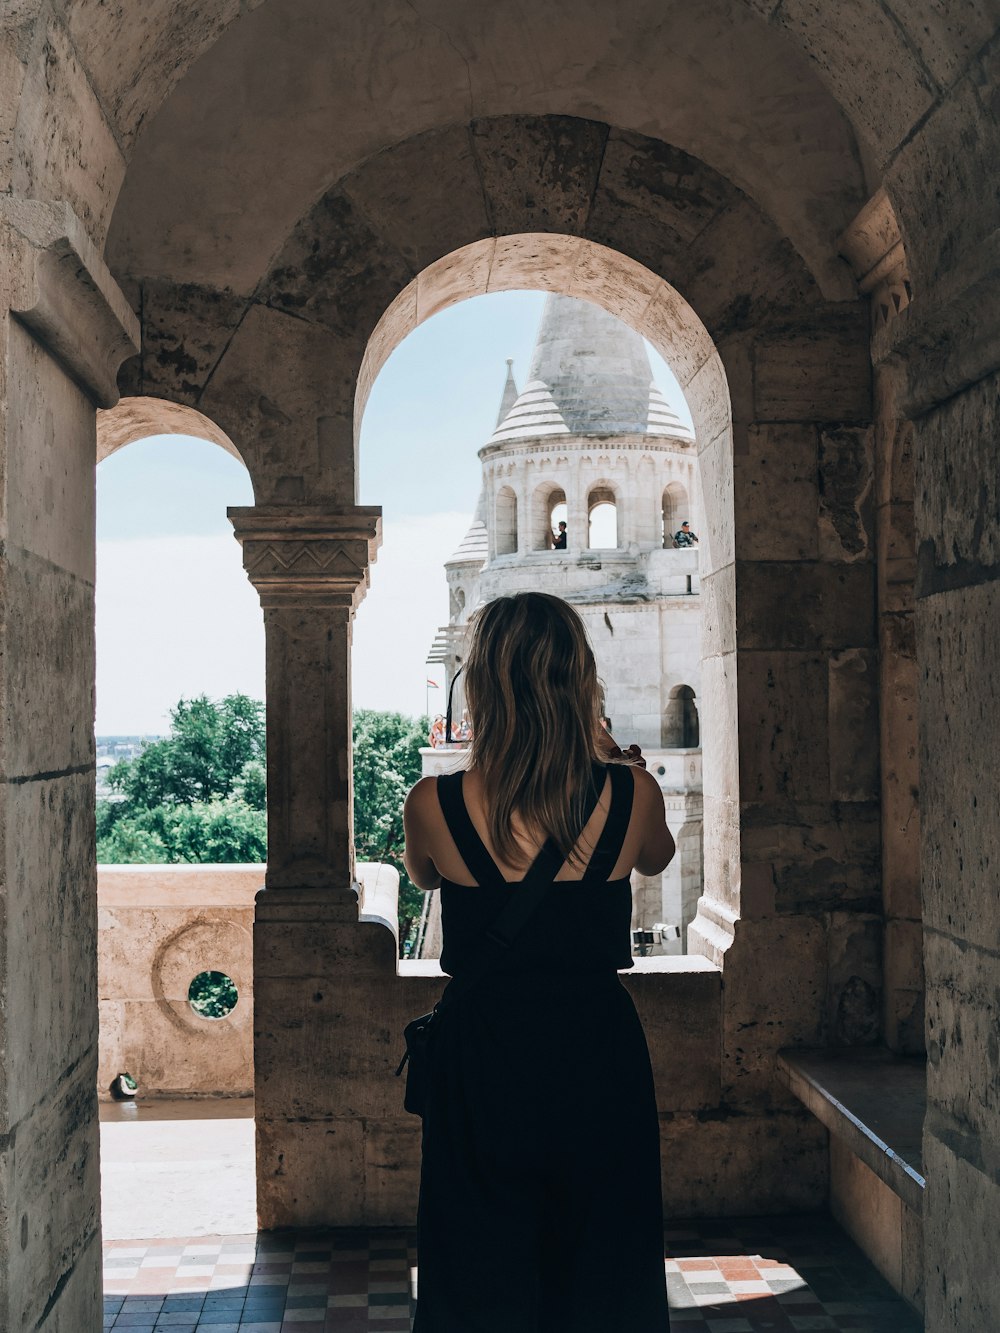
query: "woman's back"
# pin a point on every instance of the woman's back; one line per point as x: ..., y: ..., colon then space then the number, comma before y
x: 582, y: 923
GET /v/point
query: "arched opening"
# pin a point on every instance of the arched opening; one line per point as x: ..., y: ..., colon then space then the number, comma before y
x: 506, y: 521
x: 677, y: 334
x: 681, y: 728
x: 675, y: 512
x: 548, y: 511
x: 603, y: 519
x: 180, y: 817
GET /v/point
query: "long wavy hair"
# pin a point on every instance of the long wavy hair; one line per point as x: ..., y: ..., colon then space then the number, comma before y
x: 534, y: 703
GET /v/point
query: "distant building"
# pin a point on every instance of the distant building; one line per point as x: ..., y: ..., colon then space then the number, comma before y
x: 591, y: 442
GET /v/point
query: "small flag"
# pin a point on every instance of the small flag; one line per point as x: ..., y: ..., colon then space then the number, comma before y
x: 434, y: 683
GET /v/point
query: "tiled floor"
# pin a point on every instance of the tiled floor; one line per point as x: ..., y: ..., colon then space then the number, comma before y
x: 745, y: 1276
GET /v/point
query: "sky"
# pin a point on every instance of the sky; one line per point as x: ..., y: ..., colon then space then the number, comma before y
x: 176, y: 615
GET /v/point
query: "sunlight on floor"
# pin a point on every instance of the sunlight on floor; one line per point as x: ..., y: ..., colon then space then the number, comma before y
x: 177, y: 1168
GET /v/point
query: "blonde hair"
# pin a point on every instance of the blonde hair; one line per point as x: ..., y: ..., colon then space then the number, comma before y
x: 534, y: 703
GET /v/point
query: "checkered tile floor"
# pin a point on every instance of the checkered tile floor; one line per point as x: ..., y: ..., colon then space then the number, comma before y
x: 735, y: 1276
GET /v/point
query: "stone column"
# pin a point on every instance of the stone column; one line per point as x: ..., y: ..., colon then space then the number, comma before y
x: 577, y: 520
x: 310, y: 567
x: 64, y: 330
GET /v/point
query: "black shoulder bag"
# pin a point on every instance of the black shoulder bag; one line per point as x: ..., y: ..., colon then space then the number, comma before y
x: 515, y: 915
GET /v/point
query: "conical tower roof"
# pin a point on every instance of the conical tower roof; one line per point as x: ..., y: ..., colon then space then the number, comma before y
x: 509, y: 397
x: 474, y: 546
x: 589, y: 375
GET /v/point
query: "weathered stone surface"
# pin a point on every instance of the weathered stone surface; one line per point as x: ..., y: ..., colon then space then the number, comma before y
x: 817, y: 374
x: 811, y: 606
x: 538, y: 174
x: 778, y: 475
x: 959, y: 777
x: 854, y: 979
x: 185, y: 331
x: 846, y: 505
x: 784, y: 746
x: 957, y: 1246
x: 729, y: 1161
x: 854, y: 735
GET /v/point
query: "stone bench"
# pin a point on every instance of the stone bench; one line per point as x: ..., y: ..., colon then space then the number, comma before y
x: 872, y: 1102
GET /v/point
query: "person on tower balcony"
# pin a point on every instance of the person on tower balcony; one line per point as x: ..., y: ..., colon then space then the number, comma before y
x: 559, y: 538
x: 684, y: 536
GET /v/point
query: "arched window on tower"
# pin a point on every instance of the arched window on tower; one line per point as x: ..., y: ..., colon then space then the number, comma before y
x: 604, y: 529
x: 675, y: 511
x: 681, y: 729
x: 457, y: 604
x: 548, y: 510
x: 506, y: 525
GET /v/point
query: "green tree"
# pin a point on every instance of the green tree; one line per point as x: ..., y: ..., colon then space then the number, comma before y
x: 199, y: 794
x: 386, y: 765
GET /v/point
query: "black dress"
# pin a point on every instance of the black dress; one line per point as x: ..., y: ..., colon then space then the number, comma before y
x: 540, y: 1207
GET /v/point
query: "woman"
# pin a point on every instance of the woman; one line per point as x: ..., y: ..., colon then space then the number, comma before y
x: 540, y: 1207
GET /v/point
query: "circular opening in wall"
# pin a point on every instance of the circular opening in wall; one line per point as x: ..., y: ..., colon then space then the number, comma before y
x: 661, y: 770
x: 212, y: 995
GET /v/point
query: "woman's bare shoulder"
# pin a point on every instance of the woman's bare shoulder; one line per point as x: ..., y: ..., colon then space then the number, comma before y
x: 421, y: 795
x: 646, y: 786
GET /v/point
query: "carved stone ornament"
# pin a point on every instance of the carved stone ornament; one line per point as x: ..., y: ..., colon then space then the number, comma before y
x: 67, y: 298
x: 308, y: 555
x: 873, y: 246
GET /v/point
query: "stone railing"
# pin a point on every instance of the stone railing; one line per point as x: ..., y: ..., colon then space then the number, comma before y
x: 161, y: 927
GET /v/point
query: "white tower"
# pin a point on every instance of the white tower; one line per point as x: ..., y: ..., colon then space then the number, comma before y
x: 591, y: 441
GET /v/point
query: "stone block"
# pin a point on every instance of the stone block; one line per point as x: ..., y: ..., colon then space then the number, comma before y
x: 961, y: 1286
x: 49, y: 487
x: 822, y: 857
x: 310, y: 1173
x: 819, y: 374
x: 717, y: 546
x: 719, y: 612
x: 846, y: 504
x: 777, y: 493
x: 185, y: 331
x: 963, y: 1046
x: 958, y: 497
x: 421, y: 225
x: 49, y: 645
x: 74, y: 155
x: 854, y: 725
x: 727, y: 1162
x: 958, y: 638
x: 538, y: 173
x: 456, y: 277
x: 681, y: 1016
x: 784, y: 745
x: 868, y: 1210
x: 808, y: 605
x: 50, y: 1185
x: 653, y: 200
x: 51, y: 938
x: 334, y: 270
x: 392, y: 1170
x: 882, y: 85
x: 768, y: 1007
x: 903, y: 1022
x: 854, y: 979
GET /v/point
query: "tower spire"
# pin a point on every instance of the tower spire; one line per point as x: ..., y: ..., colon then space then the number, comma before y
x: 509, y: 392
x: 594, y: 366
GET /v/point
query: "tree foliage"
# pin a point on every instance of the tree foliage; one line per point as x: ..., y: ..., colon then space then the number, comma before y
x: 386, y: 765
x: 198, y: 795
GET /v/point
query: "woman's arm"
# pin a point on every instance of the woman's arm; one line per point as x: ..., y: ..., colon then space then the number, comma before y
x: 416, y: 820
x: 657, y: 848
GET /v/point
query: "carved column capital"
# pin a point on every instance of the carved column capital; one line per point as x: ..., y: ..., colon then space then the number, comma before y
x: 308, y: 555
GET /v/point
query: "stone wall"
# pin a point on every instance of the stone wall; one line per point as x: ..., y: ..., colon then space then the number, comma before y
x: 158, y: 928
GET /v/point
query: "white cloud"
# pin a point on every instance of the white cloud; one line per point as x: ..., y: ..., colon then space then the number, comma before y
x: 407, y: 602
x: 176, y: 616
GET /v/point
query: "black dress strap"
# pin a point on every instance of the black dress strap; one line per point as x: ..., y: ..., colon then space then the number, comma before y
x: 471, y: 847
x: 609, y: 844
